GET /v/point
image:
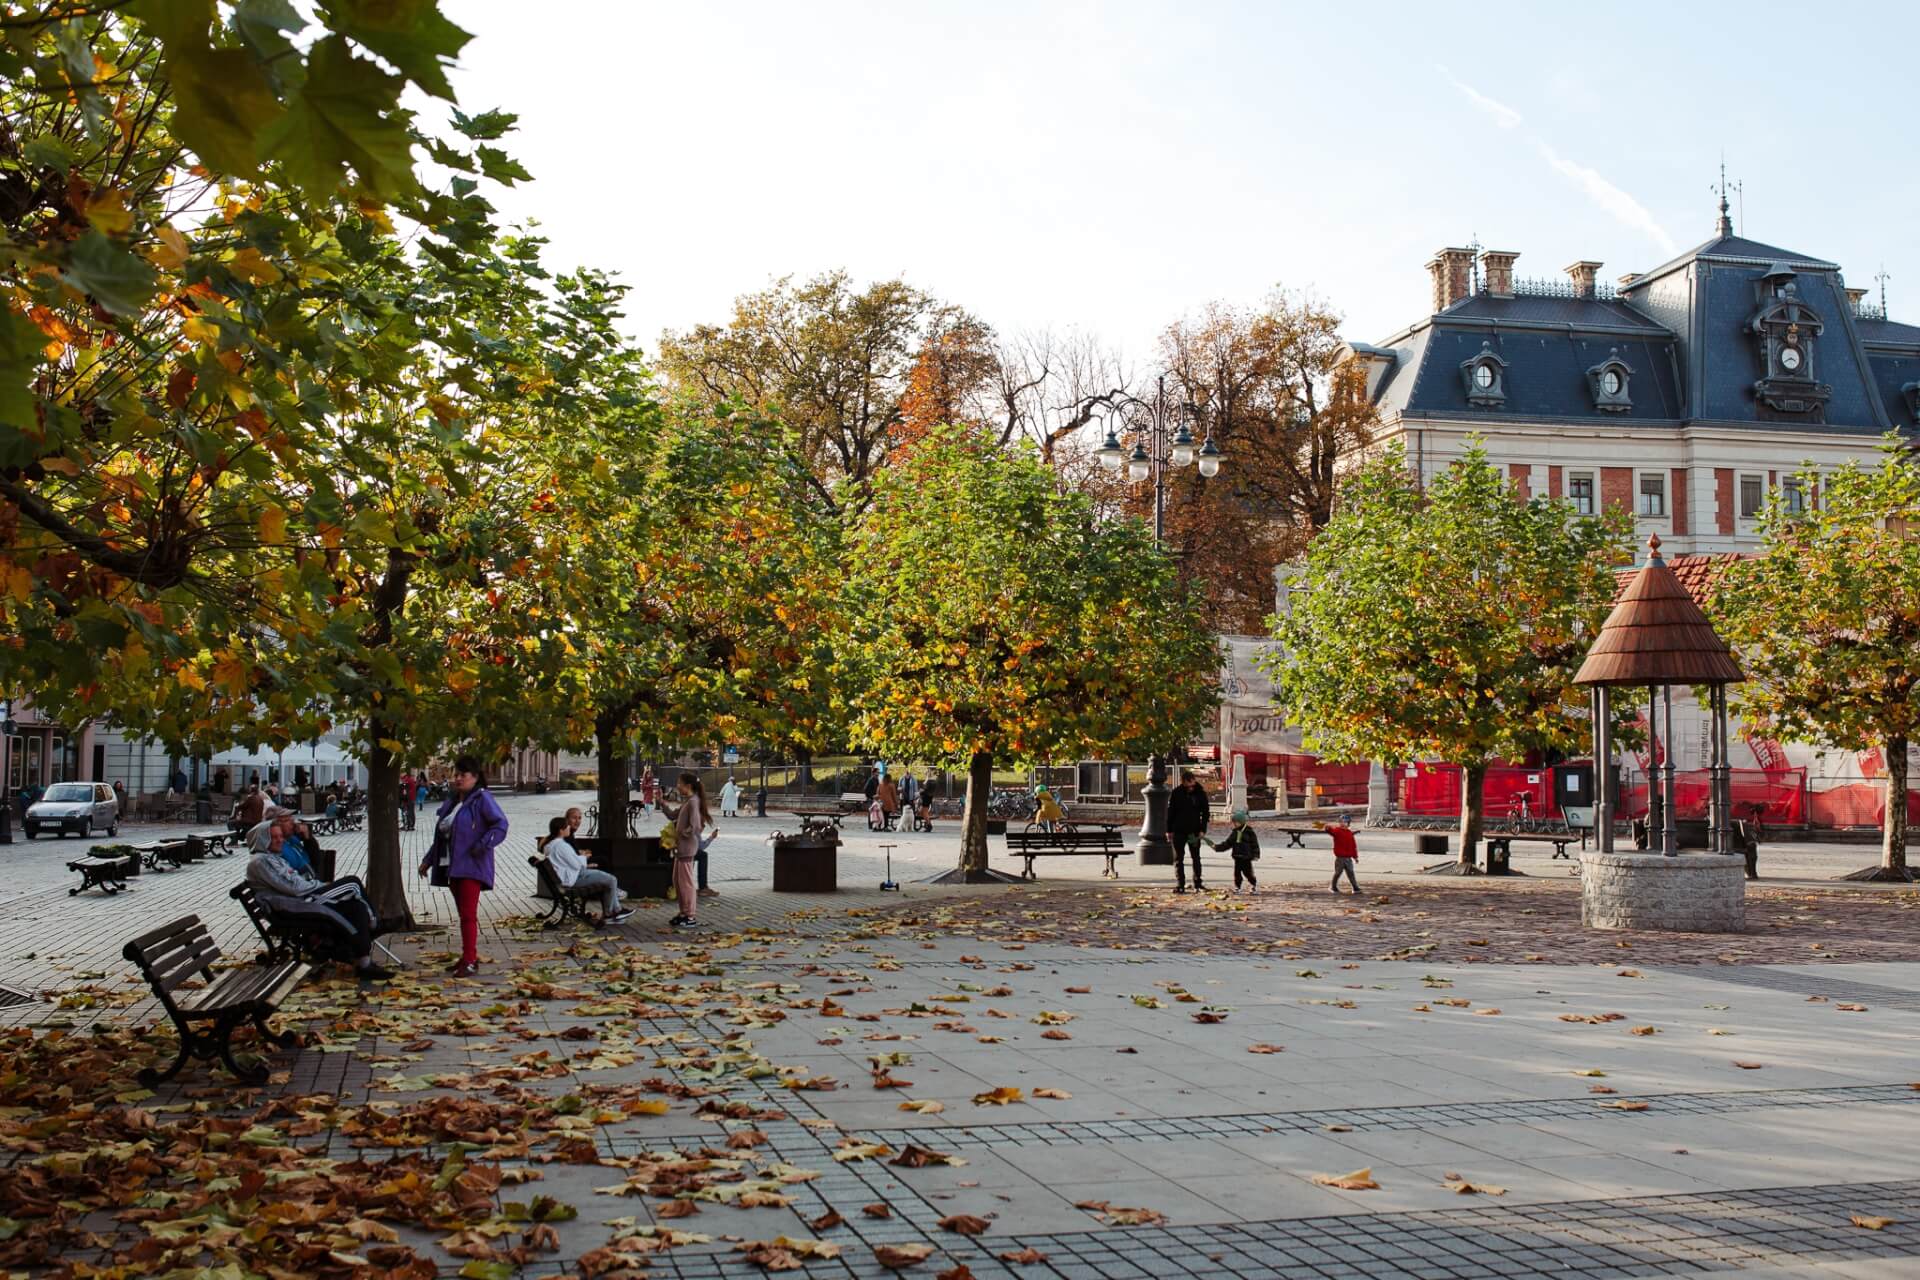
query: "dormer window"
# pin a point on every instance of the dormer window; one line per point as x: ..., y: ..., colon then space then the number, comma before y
x: 1608, y: 381
x: 1485, y: 376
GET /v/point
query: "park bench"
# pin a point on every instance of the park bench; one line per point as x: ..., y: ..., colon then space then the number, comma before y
x: 1111, y: 817
x: 109, y: 872
x: 215, y: 843
x: 175, y: 954
x: 568, y: 904
x: 1500, y: 843
x: 1037, y: 843
x: 1296, y: 832
x: 174, y: 853
x: 833, y: 810
x: 289, y: 937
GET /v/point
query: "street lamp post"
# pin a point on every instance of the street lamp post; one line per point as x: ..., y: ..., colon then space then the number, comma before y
x: 1158, y: 445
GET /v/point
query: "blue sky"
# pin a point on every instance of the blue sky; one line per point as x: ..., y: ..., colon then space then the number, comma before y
x: 1108, y: 167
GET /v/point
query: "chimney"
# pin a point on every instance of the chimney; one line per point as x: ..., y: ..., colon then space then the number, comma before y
x: 1627, y: 280
x: 1496, y: 267
x: 1583, y: 275
x: 1451, y: 270
x: 1854, y: 298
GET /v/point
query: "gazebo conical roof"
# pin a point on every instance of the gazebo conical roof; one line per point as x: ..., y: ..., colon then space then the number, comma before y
x: 1657, y: 635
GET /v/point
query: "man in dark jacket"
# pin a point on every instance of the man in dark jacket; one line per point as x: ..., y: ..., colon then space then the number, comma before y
x: 1187, y: 813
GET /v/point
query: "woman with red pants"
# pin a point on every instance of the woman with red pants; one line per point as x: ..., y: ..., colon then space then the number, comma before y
x: 470, y: 827
x: 689, y: 819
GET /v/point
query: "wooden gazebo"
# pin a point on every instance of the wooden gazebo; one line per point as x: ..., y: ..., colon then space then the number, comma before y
x: 1656, y: 638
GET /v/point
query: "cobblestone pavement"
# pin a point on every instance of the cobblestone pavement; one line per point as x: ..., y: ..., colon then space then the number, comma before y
x: 1069, y: 1082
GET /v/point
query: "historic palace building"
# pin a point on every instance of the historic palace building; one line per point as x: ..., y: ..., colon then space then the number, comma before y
x: 1686, y: 393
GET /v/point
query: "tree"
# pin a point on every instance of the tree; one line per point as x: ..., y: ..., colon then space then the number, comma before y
x: 1446, y: 624
x: 996, y: 619
x: 833, y: 364
x: 701, y: 590
x: 1267, y: 384
x: 1825, y: 621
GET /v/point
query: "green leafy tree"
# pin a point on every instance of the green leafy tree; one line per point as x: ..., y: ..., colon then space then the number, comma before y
x: 1825, y: 620
x: 1446, y: 623
x: 701, y: 590
x: 996, y: 619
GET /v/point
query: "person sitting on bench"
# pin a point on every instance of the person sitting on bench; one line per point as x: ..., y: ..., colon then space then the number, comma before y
x: 576, y: 877
x: 341, y: 906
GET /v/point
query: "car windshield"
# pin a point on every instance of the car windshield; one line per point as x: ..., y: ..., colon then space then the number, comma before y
x: 68, y: 793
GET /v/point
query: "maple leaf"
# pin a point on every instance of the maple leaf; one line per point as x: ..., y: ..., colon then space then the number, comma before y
x: 1051, y: 1093
x: 1023, y: 1257
x: 877, y: 1210
x: 965, y: 1224
x: 1870, y: 1222
x: 1358, y: 1180
x: 914, y: 1156
x: 925, y: 1106
x: 1266, y: 1048
x: 998, y: 1097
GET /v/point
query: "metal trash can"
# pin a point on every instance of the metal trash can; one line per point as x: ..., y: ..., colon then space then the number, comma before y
x: 203, y: 809
x: 1430, y: 845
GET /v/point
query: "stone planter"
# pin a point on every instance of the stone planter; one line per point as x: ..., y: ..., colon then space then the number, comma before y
x: 1690, y: 893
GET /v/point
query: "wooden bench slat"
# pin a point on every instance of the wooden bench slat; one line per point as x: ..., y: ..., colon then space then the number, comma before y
x: 241, y: 987
x: 152, y: 936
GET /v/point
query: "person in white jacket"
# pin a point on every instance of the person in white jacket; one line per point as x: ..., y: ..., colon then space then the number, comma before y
x: 730, y: 798
x: 573, y: 873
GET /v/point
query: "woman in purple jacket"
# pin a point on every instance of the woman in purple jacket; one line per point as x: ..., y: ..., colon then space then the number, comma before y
x: 471, y: 826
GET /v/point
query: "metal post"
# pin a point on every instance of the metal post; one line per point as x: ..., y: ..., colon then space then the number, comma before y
x: 1159, y: 476
x: 1670, y: 832
x: 1154, y: 850
x: 761, y: 799
x: 1603, y: 769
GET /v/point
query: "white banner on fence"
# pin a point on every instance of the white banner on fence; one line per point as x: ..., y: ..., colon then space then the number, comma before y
x: 1248, y: 719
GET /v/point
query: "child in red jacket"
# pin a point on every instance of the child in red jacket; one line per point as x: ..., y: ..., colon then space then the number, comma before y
x: 1346, y: 853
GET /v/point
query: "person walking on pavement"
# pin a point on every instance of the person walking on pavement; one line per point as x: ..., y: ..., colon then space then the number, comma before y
x: 1346, y: 852
x: 730, y: 798
x: 1188, y: 811
x: 1244, y: 847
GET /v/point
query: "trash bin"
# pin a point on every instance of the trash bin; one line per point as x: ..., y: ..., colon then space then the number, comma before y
x: 805, y: 864
x: 6, y: 821
x: 1428, y: 845
x: 1498, y: 863
x: 203, y: 809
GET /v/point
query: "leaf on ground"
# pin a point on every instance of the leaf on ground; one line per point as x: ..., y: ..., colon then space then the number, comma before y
x: 914, y: 1156
x: 1590, y: 1071
x: 1117, y: 1217
x: 965, y: 1224
x: 1749, y: 1066
x: 1629, y: 973
x: 676, y: 1209
x: 1055, y: 1035
x: 876, y: 1211
x: 924, y: 1106
x: 1851, y: 1008
x: 1460, y: 1186
x: 1266, y: 1048
x: 999, y: 1097
x: 1051, y: 1093
x: 1148, y: 1002
x: 1486, y: 1013
x: 851, y: 1150
x: 1627, y: 1105
x: 1210, y: 1015
x: 958, y: 1271
x: 897, y: 1257
x: 1078, y: 991
x: 1643, y: 1031
x: 827, y: 1221
x: 1023, y: 1257
x: 1358, y: 1180
x: 1336, y: 1128
x: 1600, y: 1088
x: 1870, y: 1222
x: 1454, y: 1002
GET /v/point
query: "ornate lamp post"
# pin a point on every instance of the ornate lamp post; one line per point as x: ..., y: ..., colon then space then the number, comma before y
x: 1163, y: 441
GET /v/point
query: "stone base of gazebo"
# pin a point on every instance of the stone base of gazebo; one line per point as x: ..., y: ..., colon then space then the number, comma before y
x: 1689, y: 893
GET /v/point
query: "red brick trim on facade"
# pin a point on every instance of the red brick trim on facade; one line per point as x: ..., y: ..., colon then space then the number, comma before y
x: 1723, y: 498
x: 1553, y: 483
x: 1616, y: 488
x: 1522, y: 476
x: 1679, y: 502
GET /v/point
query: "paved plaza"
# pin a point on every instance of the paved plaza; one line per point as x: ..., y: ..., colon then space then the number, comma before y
x: 1437, y: 1079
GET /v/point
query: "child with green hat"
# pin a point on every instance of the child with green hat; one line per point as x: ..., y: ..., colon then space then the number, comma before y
x: 1244, y: 845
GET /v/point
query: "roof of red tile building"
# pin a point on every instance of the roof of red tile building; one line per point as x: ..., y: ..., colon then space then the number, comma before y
x: 1698, y: 573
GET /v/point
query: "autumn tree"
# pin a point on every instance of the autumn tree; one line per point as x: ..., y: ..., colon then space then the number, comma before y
x: 996, y: 620
x: 702, y: 586
x: 833, y: 363
x: 1825, y: 620
x: 1445, y: 623
x: 1266, y: 384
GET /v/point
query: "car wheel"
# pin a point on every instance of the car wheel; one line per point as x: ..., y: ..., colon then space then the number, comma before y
x: 32, y: 832
x: 113, y: 831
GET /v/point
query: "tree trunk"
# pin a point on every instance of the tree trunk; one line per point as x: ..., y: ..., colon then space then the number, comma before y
x: 610, y: 793
x: 1893, y: 845
x: 973, y: 824
x: 386, y: 870
x: 1473, y: 803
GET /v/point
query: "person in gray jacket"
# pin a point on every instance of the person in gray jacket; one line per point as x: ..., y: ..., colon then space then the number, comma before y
x: 340, y: 906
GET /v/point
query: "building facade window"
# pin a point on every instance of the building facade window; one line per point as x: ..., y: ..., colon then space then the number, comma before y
x: 1653, y: 494
x: 57, y: 761
x: 35, y: 778
x: 1753, y: 496
x: 1580, y: 490
x: 16, y: 764
x: 1793, y: 496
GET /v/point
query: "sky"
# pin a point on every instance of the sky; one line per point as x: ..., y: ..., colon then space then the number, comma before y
x: 1109, y: 167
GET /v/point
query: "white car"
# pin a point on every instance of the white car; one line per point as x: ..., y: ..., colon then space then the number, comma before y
x: 78, y: 808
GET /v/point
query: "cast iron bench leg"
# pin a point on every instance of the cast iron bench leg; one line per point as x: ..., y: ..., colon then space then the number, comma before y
x: 223, y: 1030
x: 1296, y: 839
